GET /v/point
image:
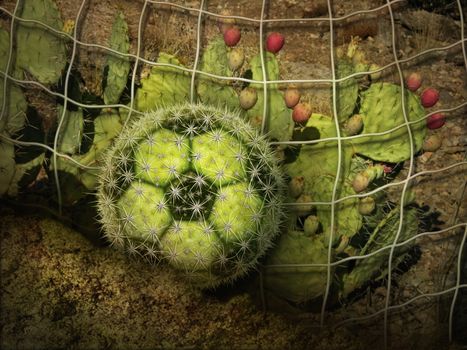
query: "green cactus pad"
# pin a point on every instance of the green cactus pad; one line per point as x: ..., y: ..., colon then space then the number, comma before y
x: 324, y: 153
x: 213, y: 91
x: 279, y: 124
x: 41, y: 52
x: 195, y: 187
x: 118, y: 67
x: 71, y: 131
x: 347, y: 90
x: 7, y: 166
x: 165, y: 86
x: 296, y: 283
x: 106, y: 127
x: 375, y: 266
x: 347, y: 217
x: 381, y: 109
x: 15, y: 109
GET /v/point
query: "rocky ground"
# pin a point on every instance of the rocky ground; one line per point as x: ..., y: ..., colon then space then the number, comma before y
x: 62, y: 289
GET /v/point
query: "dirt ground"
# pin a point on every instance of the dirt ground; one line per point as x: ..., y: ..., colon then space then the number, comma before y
x: 61, y: 289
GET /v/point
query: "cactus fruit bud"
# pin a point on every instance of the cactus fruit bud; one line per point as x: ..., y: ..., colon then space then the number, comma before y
x: 435, y: 121
x: 363, y: 179
x: 413, y: 82
x: 303, y: 208
x: 311, y: 225
x: 195, y: 187
x: 248, y: 98
x: 296, y: 186
x: 236, y: 57
x: 429, y: 97
x: 291, y: 97
x: 360, y: 182
x: 301, y: 113
x: 432, y: 143
x: 366, y: 206
x: 375, y: 76
x: 232, y: 36
x: 354, y: 125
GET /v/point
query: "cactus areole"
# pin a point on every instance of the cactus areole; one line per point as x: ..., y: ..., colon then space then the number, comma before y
x: 195, y: 187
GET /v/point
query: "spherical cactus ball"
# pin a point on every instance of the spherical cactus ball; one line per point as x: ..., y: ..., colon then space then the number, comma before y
x: 193, y: 187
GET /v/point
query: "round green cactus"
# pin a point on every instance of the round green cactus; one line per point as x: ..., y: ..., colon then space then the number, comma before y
x: 193, y: 186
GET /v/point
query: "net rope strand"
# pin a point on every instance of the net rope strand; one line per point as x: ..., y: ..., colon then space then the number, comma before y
x: 64, y: 111
x: 201, y: 12
x: 460, y: 42
x: 338, y: 169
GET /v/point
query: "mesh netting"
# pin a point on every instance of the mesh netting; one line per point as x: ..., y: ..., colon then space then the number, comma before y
x: 325, y: 30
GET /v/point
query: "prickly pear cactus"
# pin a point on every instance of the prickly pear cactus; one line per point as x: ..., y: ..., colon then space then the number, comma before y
x: 297, y: 283
x: 117, y: 67
x: 211, y: 91
x: 195, y: 187
x: 375, y: 266
x: 165, y: 86
x: 279, y: 124
x: 41, y: 52
x: 15, y: 105
x: 78, y: 180
x: 381, y: 110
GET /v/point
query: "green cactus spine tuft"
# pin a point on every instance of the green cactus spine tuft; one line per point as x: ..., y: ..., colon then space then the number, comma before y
x: 195, y: 187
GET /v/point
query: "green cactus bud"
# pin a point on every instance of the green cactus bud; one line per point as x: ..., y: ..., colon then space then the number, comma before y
x: 354, y: 125
x: 117, y: 67
x: 381, y: 108
x: 236, y: 58
x: 303, y: 206
x: 297, y: 284
x: 40, y: 52
x: 311, y: 225
x: 364, y: 178
x: 367, y: 206
x: 194, y: 187
x: 296, y: 186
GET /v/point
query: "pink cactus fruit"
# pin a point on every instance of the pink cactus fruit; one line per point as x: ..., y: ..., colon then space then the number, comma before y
x: 292, y: 97
x: 429, y: 97
x: 232, y: 36
x: 301, y: 112
x: 435, y: 121
x: 413, y: 82
x: 274, y: 42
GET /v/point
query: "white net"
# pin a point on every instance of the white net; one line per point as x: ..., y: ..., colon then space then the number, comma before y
x: 325, y: 31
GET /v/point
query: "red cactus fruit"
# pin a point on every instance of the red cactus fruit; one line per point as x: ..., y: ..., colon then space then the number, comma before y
x: 413, y: 82
x: 301, y: 112
x: 429, y: 97
x: 435, y: 121
x: 232, y: 36
x: 274, y: 42
x: 291, y: 97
